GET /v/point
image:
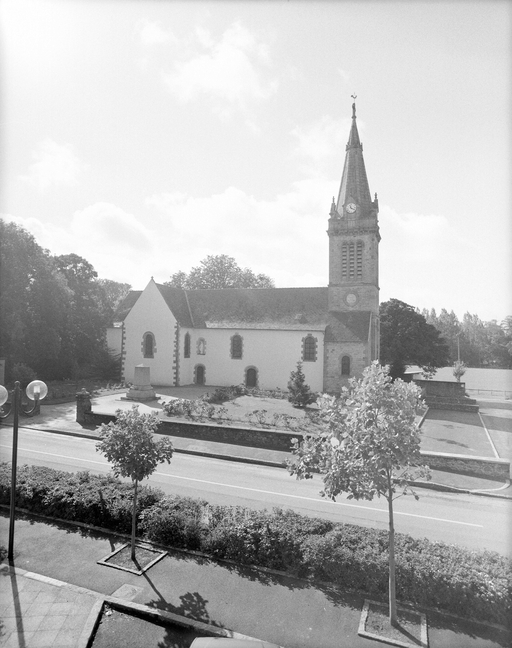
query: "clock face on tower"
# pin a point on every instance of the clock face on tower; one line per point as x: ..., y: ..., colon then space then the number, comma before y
x: 351, y: 299
x: 351, y: 208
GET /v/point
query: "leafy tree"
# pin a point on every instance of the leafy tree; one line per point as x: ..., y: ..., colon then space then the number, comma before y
x: 370, y: 447
x: 34, y: 303
x: 459, y: 369
x: 406, y: 338
x: 449, y: 327
x: 300, y: 393
x: 220, y: 271
x: 114, y: 291
x: 89, y: 314
x: 128, y: 443
x: 506, y: 325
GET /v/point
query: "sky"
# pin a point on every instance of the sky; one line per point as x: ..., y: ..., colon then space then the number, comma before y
x: 147, y: 135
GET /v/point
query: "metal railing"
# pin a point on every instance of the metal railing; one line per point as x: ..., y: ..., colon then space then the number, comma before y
x: 491, y: 392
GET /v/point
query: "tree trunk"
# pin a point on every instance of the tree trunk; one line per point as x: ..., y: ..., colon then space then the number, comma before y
x: 392, y: 575
x: 134, y: 517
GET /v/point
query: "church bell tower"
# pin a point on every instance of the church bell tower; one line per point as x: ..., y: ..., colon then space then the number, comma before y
x: 352, y: 336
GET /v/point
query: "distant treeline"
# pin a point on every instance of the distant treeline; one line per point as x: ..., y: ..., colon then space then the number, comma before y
x: 477, y: 343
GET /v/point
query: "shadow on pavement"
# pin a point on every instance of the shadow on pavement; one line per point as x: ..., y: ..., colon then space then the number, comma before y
x: 463, y: 628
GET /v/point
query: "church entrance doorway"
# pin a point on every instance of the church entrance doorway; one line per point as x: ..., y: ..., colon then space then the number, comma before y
x: 200, y: 375
x: 251, y: 377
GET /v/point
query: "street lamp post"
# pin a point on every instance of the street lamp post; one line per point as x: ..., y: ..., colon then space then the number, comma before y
x: 36, y: 391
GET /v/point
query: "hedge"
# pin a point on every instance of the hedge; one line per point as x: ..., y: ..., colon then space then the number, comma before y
x: 471, y: 584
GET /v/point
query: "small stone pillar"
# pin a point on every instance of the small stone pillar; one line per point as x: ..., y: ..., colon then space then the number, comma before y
x: 83, y: 406
x: 141, y: 389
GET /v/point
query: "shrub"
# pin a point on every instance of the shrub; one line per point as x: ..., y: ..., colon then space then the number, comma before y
x: 100, y: 500
x: 23, y: 373
x: 224, y: 394
x: 175, y: 521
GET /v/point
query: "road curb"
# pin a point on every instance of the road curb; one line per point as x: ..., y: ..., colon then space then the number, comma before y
x: 468, y: 491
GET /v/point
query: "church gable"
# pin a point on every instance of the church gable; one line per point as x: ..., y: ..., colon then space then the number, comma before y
x: 149, y: 334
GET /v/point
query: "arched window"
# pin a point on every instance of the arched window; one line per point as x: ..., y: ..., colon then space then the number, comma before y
x: 236, y: 346
x: 345, y: 366
x: 309, y: 348
x: 186, y: 348
x: 251, y: 377
x: 201, y: 346
x: 148, y: 345
x: 199, y: 375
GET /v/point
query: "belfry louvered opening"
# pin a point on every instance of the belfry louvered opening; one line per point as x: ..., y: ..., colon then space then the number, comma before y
x: 352, y: 260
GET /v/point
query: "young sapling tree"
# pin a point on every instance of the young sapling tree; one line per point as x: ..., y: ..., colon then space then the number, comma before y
x: 370, y: 447
x: 129, y: 444
x: 459, y: 369
x: 300, y: 394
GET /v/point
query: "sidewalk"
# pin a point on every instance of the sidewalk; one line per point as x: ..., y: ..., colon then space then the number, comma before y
x: 56, y: 600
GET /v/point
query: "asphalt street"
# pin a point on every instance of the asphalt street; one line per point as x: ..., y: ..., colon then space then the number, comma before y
x: 464, y: 519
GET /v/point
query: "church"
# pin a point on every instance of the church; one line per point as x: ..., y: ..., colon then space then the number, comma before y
x: 256, y: 336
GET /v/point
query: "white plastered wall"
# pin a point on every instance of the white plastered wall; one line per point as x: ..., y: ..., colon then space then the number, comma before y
x: 273, y: 353
x: 150, y: 314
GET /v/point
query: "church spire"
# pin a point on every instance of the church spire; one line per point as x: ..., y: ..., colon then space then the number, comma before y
x: 354, y: 189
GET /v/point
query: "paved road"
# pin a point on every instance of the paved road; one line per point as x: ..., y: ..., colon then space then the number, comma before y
x: 468, y: 520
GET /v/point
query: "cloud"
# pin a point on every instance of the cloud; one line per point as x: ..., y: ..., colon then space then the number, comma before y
x: 423, y: 260
x: 112, y: 240
x: 152, y: 33
x: 104, y: 222
x: 278, y: 237
x: 230, y: 70
x: 319, y: 143
x: 55, y: 166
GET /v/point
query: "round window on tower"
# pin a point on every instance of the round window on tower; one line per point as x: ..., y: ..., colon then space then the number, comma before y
x: 351, y: 299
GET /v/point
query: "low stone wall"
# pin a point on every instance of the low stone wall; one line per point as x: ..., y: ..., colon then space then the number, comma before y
x: 486, y: 467
x: 232, y: 434
x: 452, y: 406
x: 442, y: 388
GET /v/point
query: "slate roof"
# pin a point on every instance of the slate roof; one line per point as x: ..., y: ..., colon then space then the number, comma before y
x: 249, y: 308
x: 126, y: 305
x: 354, y: 182
x: 263, y: 308
x: 348, y: 327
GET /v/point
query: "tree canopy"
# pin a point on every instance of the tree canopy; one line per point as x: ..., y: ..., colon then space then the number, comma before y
x: 220, y: 271
x: 406, y: 338
x: 53, y: 310
x: 475, y: 342
x: 370, y: 446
